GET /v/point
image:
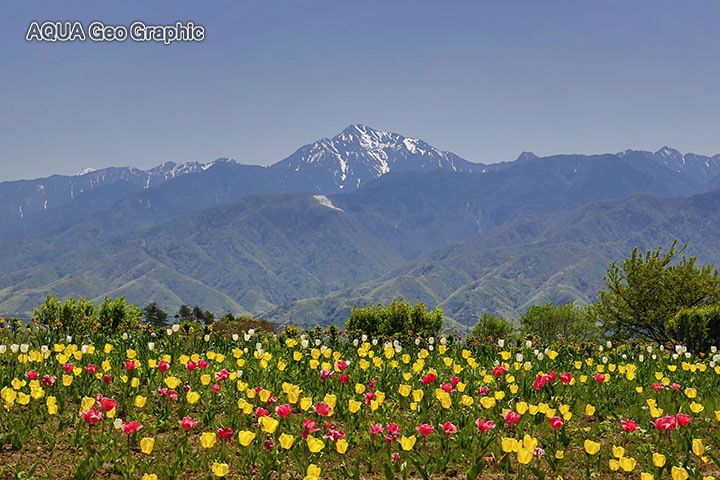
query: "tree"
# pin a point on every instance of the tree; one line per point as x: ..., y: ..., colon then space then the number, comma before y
x: 184, y: 314
x: 397, y: 318
x: 114, y: 314
x: 154, y: 315
x: 493, y: 327
x: 69, y: 315
x: 697, y: 327
x: 550, y: 321
x: 645, y: 291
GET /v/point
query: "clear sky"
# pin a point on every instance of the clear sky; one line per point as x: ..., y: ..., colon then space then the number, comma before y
x: 486, y: 80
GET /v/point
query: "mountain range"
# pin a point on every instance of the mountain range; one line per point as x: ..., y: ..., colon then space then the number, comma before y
x: 360, y: 218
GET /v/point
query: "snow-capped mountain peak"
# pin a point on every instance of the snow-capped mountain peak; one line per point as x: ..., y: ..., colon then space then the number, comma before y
x: 360, y: 153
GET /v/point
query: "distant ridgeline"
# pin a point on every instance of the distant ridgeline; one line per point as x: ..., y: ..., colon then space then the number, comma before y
x: 359, y: 219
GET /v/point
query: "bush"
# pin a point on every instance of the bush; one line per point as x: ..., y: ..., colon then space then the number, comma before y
x: 697, y: 327
x: 646, y: 291
x: 549, y: 321
x: 228, y: 325
x: 492, y: 327
x: 69, y: 315
x: 398, y: 318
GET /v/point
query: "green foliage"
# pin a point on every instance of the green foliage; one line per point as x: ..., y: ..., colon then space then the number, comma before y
x: 697, y: 327
x: 398, y: 318
x: 229, y: 324
x: 154, y: 315
x: 69, y: 315
x: 118, y: 314
x: 645, y: 291
x: 549, y: 321
x: 492, y: 327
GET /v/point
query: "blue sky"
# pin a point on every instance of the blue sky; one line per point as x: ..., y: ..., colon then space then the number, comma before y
x: 486, y: 80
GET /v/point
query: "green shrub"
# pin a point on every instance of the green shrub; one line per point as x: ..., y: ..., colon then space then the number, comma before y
x: 697, y: 327
x: 398, y: 318
x: 491, y: 327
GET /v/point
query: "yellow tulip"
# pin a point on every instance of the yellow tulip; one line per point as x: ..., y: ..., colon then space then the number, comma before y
x: 509, y: 445
x: 354, y: 406
x: 140, y: 401
x: 560, y: 454
x: 679, y: 473
x: 313, y: 471
x: 618, y: 452
x: 268, y: 424
x: 613, y: 464
x: 220, y: 469
x: 341, y: 446
x: 591, y: 447
x: 628, y: 464
x: 245, y: 437
x: 690, y: 392
x: 404, y: 390
x: 314, y: 444
x: 589, y: 410
x: 407, y: 443
x: 658, y: 459
x: 647, y: 476
x: 697, y: 447
x: 193, y: 397
x: 86, y: 404
x: 208, y: 439
x: 696, y: 407
x: 146, y: 445
x: 149, y: 476
x: 306, y: 403
x: 524, y: 455
x: 286, y: 441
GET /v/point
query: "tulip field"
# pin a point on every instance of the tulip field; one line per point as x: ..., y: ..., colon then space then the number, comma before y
x: 177, y: 404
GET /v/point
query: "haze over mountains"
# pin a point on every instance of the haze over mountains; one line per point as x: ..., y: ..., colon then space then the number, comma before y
x: 363, y: 217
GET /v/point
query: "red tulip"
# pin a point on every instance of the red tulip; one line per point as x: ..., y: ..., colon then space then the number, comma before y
x: 599, y: 377
x: 511, y: 418
x: 202, y: 364
x: 424, y: 429
x: 130, y: 364
x: 187, y: 423
x: 325, y: 374
x: 566, y: 377
x: 225, y: 434
x: 667, y: 422
x: 629, y: 425
x: 483, y: 425
x: 67, y: 368
x: 323, y: 409
x: 191, y: 366
x: 499, y: 370
x: 130, y: 427
x: 429, y: 378
x: 683, y: 419
x: 92, y: 416
x: 163, y: 366
x: 556, y: 422
x: 283, y: 411
x: 484, y: 390
x: 261, y: 412
x: 91, y: 368
x: 108, y: 404
x: 449, y: 428
x: 446, y: 387
x: 344, y: 378
x: 215, y: 388
x: 341, y: 365
x: 32, y: 375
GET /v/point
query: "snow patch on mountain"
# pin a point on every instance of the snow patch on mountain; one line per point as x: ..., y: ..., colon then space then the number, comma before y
x: 325, y: 202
